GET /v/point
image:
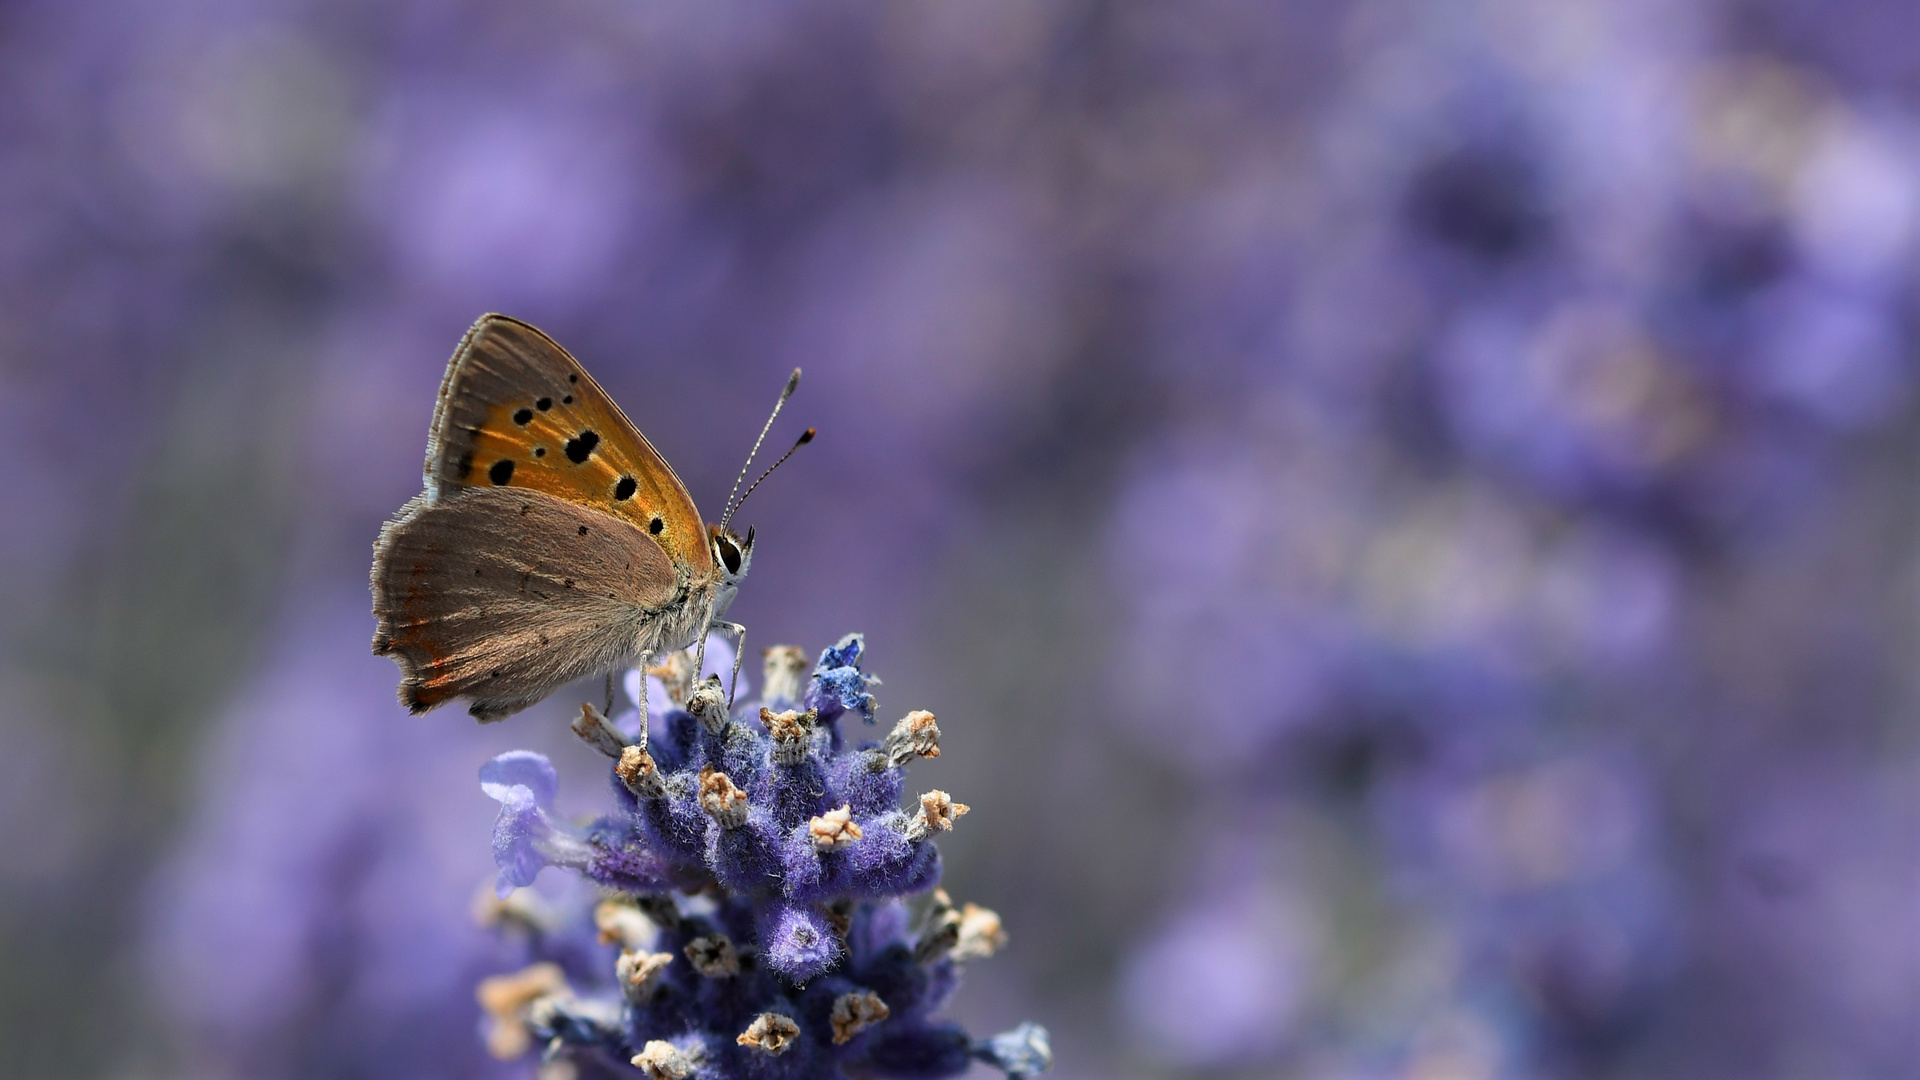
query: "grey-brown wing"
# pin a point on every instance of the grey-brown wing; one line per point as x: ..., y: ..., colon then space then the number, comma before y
x: 503, y: 595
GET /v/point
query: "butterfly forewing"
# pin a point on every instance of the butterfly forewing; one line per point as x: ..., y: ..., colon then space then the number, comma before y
x: 518, y: 411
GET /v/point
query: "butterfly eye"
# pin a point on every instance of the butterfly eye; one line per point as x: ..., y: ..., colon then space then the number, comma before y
x: 729, y: 554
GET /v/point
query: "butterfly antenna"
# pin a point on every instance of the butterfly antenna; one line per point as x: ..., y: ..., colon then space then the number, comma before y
x: 793, y: 383
x: 805, y: 438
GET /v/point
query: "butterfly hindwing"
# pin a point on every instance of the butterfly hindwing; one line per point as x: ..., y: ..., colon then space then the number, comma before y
x: 503, y: 595
x: 517, y: 411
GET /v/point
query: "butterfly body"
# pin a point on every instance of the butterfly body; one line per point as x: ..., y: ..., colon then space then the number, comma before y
x: 551, y: 542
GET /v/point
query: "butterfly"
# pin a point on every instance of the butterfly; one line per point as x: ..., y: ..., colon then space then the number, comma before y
x: 551, y: 542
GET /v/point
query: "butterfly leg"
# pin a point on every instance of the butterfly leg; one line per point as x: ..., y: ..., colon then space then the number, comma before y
x: 739, y: 633
x: 608, y: 711
x: 646, y: 720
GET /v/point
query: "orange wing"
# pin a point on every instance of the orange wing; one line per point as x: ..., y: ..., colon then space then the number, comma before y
x: 517, y: 410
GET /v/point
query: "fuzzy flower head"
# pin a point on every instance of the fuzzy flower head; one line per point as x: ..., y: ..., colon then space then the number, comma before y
x: 769, y: 908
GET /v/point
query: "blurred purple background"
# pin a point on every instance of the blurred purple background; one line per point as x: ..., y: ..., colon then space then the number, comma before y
x: 1406, y: 511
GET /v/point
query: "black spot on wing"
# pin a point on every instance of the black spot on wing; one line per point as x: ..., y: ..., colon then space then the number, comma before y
x: 580, y: 448
x: 656, y: 525
x: 522, y: 416
x: 573, y: 378
x: 583, y: 530
x: 568, y: 400
x: 539, y: 451
x: 624, y: 490
x: 501, y: 472
x: 543, y: 404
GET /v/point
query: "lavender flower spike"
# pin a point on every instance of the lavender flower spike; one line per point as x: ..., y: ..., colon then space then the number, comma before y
x: 754, y: 920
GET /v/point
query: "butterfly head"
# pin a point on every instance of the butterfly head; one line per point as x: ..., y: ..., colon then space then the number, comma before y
x: 732, y: 555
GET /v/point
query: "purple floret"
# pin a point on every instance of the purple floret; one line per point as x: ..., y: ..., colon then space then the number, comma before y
x: 797, y: 940
x: 526, y: 839
x: 839, y: 686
